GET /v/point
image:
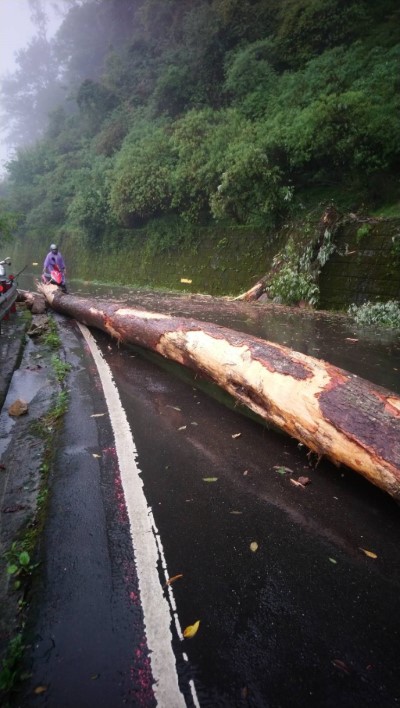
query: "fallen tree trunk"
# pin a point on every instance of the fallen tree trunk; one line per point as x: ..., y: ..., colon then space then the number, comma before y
x: 35, y: 302
x: 331, y: 411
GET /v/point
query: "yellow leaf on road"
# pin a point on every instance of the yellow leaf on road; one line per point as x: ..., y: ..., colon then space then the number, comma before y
x: 210, y: 479
x: 370, y: 554
x: 40, y: 689
x: 236, y: 435
x: 185, y: 280
x: 254, y: 546
x: 174, y: 577
x: 191, y: 630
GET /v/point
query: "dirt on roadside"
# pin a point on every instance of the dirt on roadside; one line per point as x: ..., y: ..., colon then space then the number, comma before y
x: 27, y: 375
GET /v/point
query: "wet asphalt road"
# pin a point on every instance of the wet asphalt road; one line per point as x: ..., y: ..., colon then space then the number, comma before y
x: 88, y: 645
x: 308, y: 619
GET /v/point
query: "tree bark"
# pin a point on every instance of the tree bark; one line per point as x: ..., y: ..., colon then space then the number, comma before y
x: 333, y: 412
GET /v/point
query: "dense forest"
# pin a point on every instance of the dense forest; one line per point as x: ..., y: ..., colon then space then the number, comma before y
x: 144, y: 112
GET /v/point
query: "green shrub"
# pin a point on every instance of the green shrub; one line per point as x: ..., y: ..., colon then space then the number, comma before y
x: 141, y: 183
x: 380, y: 314
x: 362, y: 232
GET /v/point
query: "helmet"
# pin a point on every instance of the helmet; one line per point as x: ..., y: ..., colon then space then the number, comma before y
x: 53, y: 247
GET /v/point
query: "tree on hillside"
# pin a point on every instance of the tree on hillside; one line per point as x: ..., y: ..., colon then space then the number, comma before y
x: 30, y: 93
x: 228, y: 110
x: 8, y: 222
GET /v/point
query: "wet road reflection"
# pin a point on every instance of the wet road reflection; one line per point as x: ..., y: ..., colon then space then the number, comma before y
x: 306, y: 619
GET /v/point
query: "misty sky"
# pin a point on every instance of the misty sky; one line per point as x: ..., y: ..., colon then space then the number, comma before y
x: 16, y: 29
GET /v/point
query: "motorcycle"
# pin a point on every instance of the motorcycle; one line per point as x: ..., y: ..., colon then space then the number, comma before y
x: 8, y: 290
x: 55, y: 277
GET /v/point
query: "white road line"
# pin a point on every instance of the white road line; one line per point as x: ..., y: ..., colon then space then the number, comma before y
x: 147, y: 547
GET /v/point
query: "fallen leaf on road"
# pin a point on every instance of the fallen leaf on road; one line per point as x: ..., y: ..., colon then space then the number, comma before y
x: 191, y: 630
x: 351, y: 339
x: 95, y: 455
x: 236, y: 512
x: 97, y: 415
x: 40, y: 689
x: 236, y: 435
x: 341, y: 665
x: 174, y: 407
x: 183, y: 427
x: 281, y: 469
x: 332, y: 560
x: 245, y: 473
x: 174, y: 577
x: 210, y: 479
x: 370, y: 554
x: 296, y: 483
x: 304, y: 481
x: 254, y: 546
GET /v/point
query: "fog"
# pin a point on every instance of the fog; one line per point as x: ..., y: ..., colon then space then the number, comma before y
x: 20, y: 22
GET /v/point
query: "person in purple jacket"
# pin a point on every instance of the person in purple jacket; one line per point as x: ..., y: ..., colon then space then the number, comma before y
x: 54, y: 259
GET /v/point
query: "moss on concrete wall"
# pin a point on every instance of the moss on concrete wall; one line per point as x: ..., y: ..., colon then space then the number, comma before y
x: 365, y: 266
x: 217, y: 261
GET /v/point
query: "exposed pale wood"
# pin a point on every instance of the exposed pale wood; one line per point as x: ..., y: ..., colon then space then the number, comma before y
x: 331, y: 411
x: 254, y: 293
x: 34, y: 301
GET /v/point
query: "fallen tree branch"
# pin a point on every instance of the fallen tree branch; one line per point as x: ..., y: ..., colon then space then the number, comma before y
x: 254, y: 293
x: 331, y: 411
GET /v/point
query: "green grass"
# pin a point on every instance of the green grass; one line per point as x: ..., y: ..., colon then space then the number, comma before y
x: 52, y: 339
x: 60, y: 367
x: 388, y: 211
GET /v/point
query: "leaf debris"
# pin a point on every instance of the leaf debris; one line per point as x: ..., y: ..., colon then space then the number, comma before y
x: 40, y: 689
x: 370, y: 554
x: 173, y: 579
x: 281, y: 469
x: 191, y: 630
